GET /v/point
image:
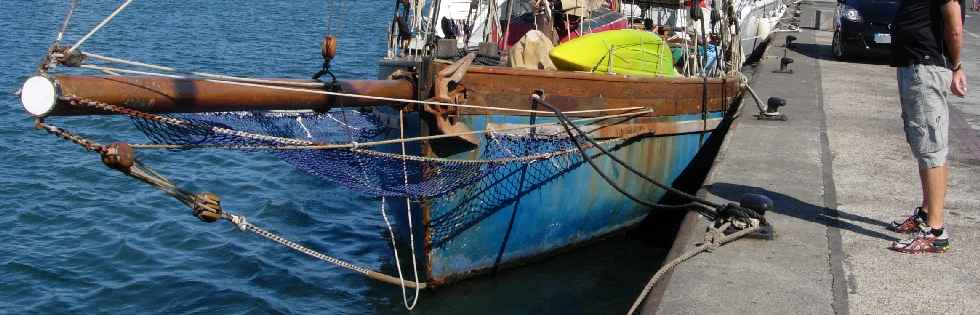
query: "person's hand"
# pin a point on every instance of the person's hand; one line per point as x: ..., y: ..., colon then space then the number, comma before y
x: 958, y: 86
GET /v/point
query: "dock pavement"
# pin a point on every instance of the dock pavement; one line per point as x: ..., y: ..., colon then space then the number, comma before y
x: 838, y: 171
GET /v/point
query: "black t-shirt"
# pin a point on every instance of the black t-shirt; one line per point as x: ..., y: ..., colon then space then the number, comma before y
x: 917, y: 33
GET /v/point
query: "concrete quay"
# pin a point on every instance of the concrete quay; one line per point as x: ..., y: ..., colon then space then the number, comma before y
x: 838, y: 170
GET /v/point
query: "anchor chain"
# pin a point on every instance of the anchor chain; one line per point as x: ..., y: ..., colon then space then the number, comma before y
x: 85, y: 143
x: 121, y: 157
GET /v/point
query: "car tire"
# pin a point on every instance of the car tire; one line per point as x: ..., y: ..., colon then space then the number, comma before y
x: 837, y: 46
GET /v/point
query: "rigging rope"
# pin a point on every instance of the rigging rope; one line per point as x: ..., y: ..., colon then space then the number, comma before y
x: 205, y: 205
x: 98, y: 27
x: 244, y: 225
x: 398, y: 261
x: 357, y: 145
x: 701, y: 205
x: 204, y: 74
x: 272, y: 84
x: 64, y: 24
x: 42, y: 67
x: 408, y: 207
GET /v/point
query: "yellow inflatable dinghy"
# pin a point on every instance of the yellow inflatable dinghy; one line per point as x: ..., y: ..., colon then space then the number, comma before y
x: 633, y: 52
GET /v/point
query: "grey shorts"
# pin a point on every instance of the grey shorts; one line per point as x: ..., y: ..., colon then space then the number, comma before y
x: 924, y: 90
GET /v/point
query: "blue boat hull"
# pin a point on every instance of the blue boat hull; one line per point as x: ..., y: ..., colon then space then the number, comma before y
x: 526, y: 211
x: 523, y: 211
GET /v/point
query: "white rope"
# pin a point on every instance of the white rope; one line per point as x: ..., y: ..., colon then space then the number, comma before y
x: 98, y: 27
x: 72, y: 4
x: 398, y: 261
x: 200, y: 74
x: 309, y: 145
x: 408, y: 206
x: 354, y: 148
x: 244, y: 225
x: 112, y: 73
x: 219, y: 130
x: 526, y: 158
x: 493, y: 136
x: 264, y: 84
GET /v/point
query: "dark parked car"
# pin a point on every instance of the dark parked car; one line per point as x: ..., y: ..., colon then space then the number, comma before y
x: 863, y: 27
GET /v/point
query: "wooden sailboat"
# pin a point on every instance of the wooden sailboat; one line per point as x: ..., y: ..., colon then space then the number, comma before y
x: 534, y: 195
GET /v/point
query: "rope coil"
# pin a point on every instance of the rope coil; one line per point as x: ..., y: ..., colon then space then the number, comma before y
x: 717, y: 239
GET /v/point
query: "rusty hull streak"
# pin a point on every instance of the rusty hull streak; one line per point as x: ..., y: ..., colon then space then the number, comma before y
x: 510, y: 88
x: 627, y: 130
x: 168, y: 95
x: 662, y: 128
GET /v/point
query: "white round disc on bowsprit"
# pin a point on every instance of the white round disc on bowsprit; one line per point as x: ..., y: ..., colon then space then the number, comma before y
x: 39, y: 96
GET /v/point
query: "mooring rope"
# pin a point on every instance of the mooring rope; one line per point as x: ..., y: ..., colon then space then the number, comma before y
x: 712, y: 243
x: 705, y: 207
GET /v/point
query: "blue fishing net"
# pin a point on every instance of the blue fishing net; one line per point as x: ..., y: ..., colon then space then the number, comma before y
x: 479, y: 185
x: 497, y: 191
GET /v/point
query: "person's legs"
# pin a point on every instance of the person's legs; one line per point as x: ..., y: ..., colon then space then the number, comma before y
x: 934, y: 194
x: 923, y: 91
x: 909, y: 85
x: 930, y: 236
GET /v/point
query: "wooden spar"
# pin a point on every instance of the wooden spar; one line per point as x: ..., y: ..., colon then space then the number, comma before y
x: 170, y: 95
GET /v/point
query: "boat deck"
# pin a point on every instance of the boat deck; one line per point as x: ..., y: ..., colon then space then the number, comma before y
x: 839, y: 170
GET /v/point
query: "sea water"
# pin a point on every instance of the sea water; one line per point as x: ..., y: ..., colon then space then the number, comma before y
x: 76, y: 237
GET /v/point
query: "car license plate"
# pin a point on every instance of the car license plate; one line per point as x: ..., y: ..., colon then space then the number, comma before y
x: 883, y: 38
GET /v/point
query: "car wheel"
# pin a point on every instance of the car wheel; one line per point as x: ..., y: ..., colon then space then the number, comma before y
x: 838, y: 47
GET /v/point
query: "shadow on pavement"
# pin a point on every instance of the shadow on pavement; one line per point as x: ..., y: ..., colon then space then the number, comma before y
x: 824, y: 52
x: 787, y: 205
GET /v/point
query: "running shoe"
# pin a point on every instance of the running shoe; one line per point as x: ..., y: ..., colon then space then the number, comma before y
x: 910, y: 224
x: 922, y: 242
